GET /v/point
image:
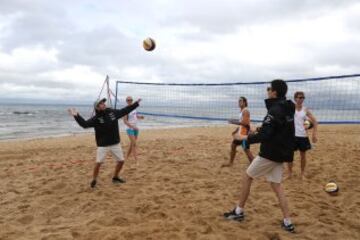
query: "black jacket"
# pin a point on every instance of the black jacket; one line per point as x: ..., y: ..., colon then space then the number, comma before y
x: 277, y: 134
x: 106, y: 124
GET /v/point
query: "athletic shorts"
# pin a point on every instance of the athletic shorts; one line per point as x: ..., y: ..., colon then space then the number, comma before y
x: 132, y: 132
x: 263, y: 167
x: 302, y: 143
x: 244, y: 144
x: 115, y: 151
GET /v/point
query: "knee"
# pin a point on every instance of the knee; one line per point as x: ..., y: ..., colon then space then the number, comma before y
x: 248, y: 178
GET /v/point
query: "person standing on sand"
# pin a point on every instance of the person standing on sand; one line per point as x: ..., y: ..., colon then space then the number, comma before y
x: 132, y: 130
x: 277, y: 136
x: 105, y: 123
x: 302, y: 142
x: 244, y: 127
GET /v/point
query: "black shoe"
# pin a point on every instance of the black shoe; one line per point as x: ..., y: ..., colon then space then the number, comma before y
x: 289, y: 228
x: 93, y: 183
x: 233, y: 216
x: 118, y: 180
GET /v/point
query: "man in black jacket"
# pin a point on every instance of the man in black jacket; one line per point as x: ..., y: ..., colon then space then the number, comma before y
x: 277, y: 138
x: 105, y: 123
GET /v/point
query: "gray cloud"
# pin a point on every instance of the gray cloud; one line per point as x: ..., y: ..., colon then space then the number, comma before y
x: 106, y: 39
x: 225, y: 17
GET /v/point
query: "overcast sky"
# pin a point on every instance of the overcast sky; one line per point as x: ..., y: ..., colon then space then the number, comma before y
x: 62, y: 50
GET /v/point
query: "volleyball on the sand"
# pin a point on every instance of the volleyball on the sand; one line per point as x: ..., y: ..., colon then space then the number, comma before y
x: 331, y: 188
x: 149, y: 44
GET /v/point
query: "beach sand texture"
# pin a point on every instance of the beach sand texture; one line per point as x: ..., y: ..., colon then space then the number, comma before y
x: 177, y: 192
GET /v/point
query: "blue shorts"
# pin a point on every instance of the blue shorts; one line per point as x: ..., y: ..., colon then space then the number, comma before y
x: 244, y: 144
x: 132, y: 132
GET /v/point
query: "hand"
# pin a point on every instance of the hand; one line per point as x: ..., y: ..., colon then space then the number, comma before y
x: 73, y: 112
x: 253, y: 128
x: 138, y: 101
x: 135, y: 128
x: 314, y: 139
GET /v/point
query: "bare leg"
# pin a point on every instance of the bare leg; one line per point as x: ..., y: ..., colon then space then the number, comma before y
x: 232, y: 156
x: 245, y: 190
x: 130, y: 148
x: 134, y: 150
x: 118, y: 167
x: 96, y: 170
x: 249, y: 155
x: 280, y: 194
x: 290, y: 167
x: 303, y: 163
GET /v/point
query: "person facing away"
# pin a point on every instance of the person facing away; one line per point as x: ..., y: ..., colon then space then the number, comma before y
x: 132, y: 129
x: 105, y: 123
x: 244, y: 127
x: 276, y: 138
x: 302, y: 142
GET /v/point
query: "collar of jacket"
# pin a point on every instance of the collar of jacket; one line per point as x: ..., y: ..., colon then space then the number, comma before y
x: 271, y: 101
x: 101, y: 113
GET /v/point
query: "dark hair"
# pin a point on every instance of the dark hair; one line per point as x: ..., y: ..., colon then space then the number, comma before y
x: 244, y: 100
x: 299, y: 93
x: 280, y: 87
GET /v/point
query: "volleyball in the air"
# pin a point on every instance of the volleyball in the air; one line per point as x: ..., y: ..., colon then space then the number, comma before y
x: 149, y: 44
x: 332, y: 188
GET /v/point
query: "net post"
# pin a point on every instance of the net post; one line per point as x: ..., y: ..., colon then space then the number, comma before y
x: 116, y: 93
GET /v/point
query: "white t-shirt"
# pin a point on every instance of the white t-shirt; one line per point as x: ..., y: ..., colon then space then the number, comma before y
x: 132, y: 119
x: 299, y: 118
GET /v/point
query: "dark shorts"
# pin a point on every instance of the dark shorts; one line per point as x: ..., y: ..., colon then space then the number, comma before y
x: 244, y: 144
x: 302, y: 143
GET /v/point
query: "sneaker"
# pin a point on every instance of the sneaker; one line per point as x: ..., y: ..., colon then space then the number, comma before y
x: 93, y: 183
x: 289, y: 228
x: 233, y: 216
x: 118, y: 180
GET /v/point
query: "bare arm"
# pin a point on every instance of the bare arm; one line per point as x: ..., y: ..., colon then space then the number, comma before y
x: 140, y: 116
x: 245, y: 120
x: 315, y: 123
x: 126, y: 121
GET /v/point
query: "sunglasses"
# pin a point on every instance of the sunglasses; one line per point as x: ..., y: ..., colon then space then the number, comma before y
x: 129, y: 100
x: 301, y: 97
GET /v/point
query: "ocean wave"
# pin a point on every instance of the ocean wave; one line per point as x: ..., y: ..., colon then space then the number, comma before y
x: 23, y: 113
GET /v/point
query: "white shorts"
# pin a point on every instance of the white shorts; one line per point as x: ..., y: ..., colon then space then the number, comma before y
x: 263, y: 167
x: 115, y: 150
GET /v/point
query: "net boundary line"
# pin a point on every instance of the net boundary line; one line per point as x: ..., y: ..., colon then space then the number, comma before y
x: 226, y: 119
x: 244, y: 83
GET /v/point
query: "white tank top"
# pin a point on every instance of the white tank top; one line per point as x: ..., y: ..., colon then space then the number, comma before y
x: 299, y: 118
x: 132, y: 118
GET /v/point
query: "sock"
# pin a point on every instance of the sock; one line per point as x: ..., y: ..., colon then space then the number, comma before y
x: 287, y: 221
x: 238, y: 210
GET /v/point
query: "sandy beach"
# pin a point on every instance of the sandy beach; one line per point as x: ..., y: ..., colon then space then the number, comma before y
x: 178, y: 191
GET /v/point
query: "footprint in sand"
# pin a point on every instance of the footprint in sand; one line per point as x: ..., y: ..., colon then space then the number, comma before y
x: 26, y: 219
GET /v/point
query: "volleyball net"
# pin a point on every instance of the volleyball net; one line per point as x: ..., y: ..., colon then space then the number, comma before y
x: 333, y: 99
